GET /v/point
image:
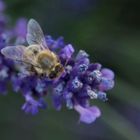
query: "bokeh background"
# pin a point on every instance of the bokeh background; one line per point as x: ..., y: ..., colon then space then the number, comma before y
x: 109, y: 30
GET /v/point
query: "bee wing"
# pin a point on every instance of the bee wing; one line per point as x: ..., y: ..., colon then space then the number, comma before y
x: 14, y: 52
x: 35, y: 34
x: 18, y: 53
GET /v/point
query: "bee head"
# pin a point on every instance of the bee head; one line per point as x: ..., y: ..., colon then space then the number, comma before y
x: 58, y: 69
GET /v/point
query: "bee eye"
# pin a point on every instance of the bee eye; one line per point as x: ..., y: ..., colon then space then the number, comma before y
x: 52, y: 75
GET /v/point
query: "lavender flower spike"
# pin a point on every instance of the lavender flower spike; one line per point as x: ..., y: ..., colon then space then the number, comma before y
x: 72, y: 79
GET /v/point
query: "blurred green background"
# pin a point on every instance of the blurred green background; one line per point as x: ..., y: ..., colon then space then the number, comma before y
x: 109, y: 30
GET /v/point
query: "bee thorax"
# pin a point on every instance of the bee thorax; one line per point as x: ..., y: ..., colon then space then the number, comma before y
x: 46, y: 59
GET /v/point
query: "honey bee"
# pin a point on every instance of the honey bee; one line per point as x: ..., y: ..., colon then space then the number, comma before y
x: 37, y: 56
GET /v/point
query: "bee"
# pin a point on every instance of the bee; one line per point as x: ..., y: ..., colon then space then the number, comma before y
x: 37, y: 56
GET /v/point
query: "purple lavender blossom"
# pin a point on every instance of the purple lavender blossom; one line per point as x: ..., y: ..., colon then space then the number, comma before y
x: 4, y: 64
x: 80, y: 82
x: 31, y: 105
x: 2, y: 6
x: 88, y: 115
x: 20, y: 30
x: 7, y: 67
x: 67, y: 52
x: 33, y: 90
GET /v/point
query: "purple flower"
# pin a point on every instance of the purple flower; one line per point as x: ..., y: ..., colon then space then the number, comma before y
x: 31, y: 105
x: 106, y: 84
x: 89, y: 114
x: 67, y: 52
x: 54, y: 44
x: 2, y: 6
x: 109, y: 74
x: 80, y: 82
x: 57, y: 102
x: 75, y: 85
x: 5, y: 68
x: 107, y: 81
x: 20, y: 31
x: 83, y: 81
x: 21, y: 28
x: 102, y: 96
